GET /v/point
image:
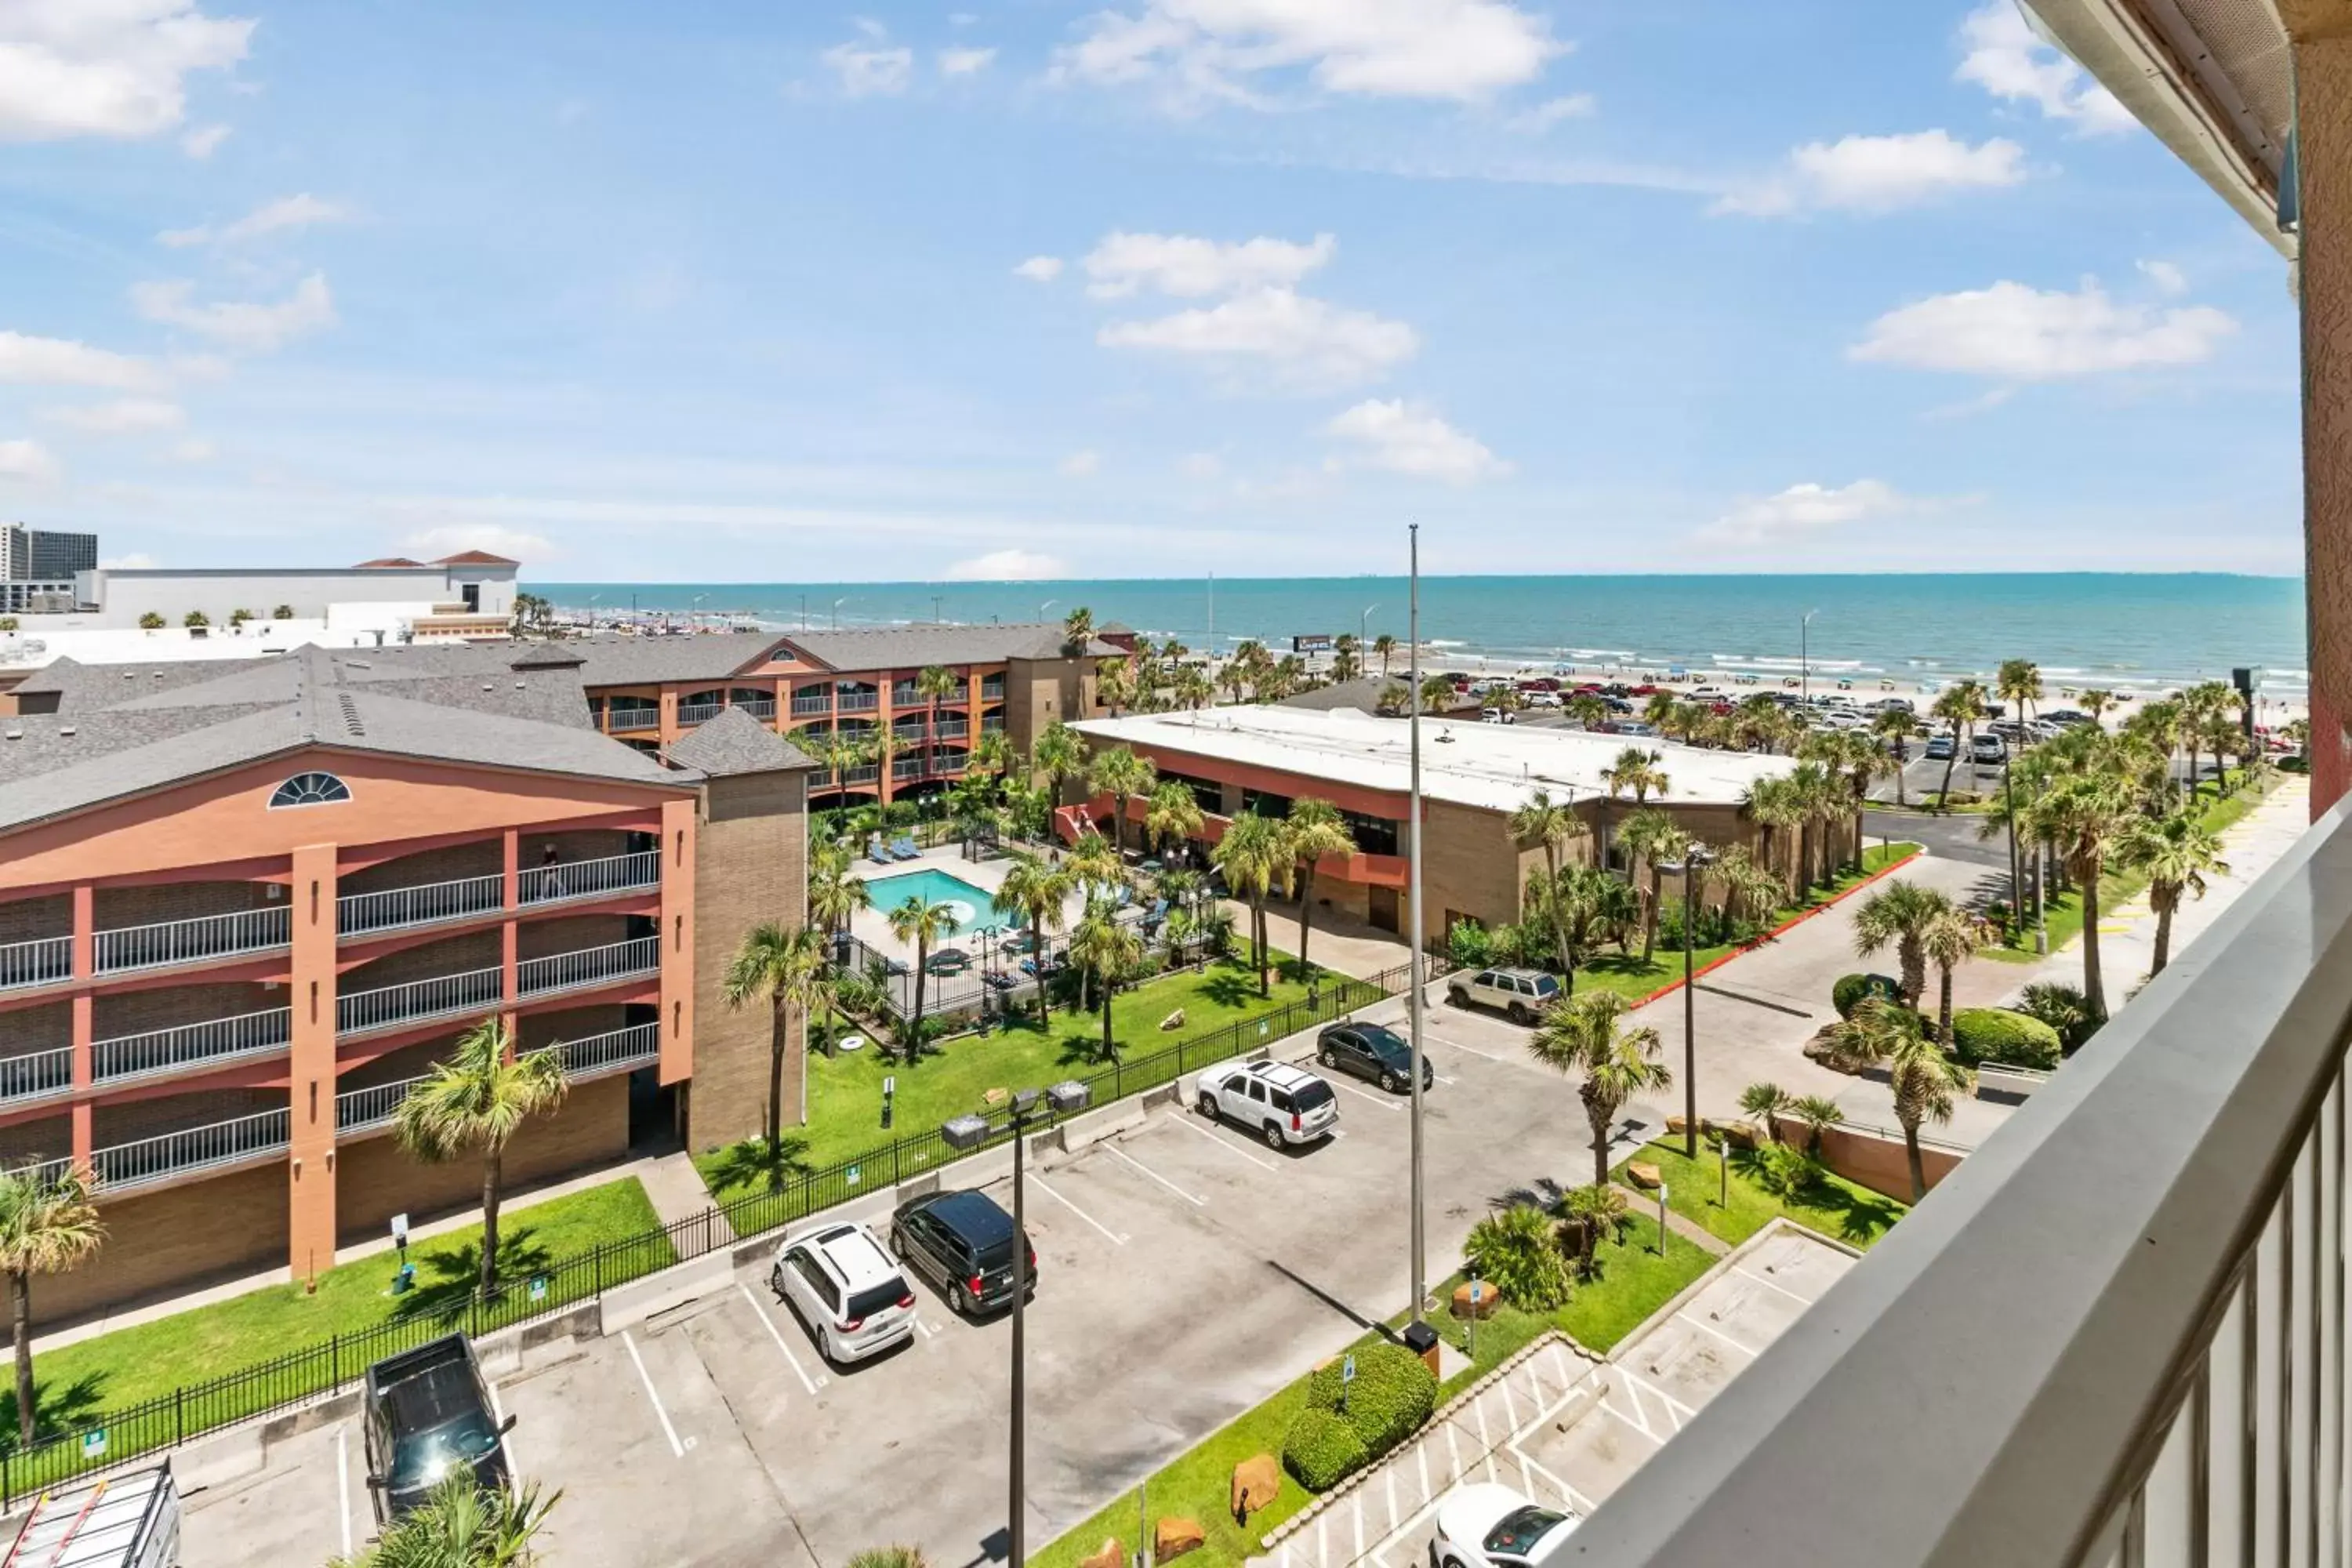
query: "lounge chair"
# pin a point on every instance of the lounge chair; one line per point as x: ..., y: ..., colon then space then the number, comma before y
x: 875, y: 852
x: 904, y: 849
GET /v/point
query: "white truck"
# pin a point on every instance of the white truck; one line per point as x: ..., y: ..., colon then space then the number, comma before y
x: 130, y: 1521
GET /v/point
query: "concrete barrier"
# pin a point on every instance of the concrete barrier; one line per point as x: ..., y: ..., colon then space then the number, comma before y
x: 2008, y: 1085
x: 1092, y: 1127
x: 626, y: 1306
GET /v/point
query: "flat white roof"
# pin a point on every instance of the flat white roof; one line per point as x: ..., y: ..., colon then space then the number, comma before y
x: 1492, y: 766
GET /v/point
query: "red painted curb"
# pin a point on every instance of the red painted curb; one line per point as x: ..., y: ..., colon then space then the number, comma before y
x: 1670, y: 986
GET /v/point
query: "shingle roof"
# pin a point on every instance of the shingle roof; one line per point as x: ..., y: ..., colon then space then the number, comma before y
x: 1362, y: 693
x: 735, y: 742
x: 475, y: 558
x: 912, y: 648
x: 647, y: 661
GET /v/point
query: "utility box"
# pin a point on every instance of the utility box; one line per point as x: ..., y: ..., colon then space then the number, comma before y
x: 965, y: 1132
x: 117, y: 1521
x: 1067, y: 1095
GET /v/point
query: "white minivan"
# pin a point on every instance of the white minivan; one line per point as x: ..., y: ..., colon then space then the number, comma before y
x: 846, y: 1289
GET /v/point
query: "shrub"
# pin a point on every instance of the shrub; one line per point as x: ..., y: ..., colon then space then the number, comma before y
x: 1320, y: 1451
x: 1999, y: 1035
x: 2062, y: 1007
x: 1391, y: 1397
x: 1469, y: 946
x: 1785, y: 1171
x: 282, y: 613
x: 1848, y: 993
x: 153, y: 621
x: 1515, y: 1248
x: 7, y: 623
x: 195, y: 619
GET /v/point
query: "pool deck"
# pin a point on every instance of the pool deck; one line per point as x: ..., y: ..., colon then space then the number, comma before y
x: 873, y: 926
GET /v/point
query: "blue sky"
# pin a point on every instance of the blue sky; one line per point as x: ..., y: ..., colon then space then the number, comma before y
x: 1109, y: 288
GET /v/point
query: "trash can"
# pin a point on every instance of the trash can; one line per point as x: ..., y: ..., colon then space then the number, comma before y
x: 1421, y: 1339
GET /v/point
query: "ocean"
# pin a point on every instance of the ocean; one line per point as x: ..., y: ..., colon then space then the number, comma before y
x: 2127, y: 631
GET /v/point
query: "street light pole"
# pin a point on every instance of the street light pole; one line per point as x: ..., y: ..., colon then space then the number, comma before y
x: 836, y: 611
x: 1024, y: 1102
x: 1412, y: 633
x: 1363, y: 630
x: 1694, y: 859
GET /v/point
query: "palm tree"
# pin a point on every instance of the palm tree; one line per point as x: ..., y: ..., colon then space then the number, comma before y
x: 935, y: 685
x: 1121, y: 775
x: 1925, y: 1081
x: 992, y: 753
x: 1767, y: 1102
x: 478, y: 1099
x: 835, y: 896
x: 1652, y: 838
x: 2177, y: 852
x: 1061, y: 756
x: 881, y: 746
x: 2086, y: 814
x: 1818, y: 1114
x: 1587, y: 709
x: 1385, y: 645
x: 1172, y: 816
x: 1747, y: 883
x: 2019, y: 682
x: 1581, y: 1035
x: 2097, y: 702
x: 1314, y: 829
x: 1346, y: 660
x: 1106, y: 951
x: 49, y: 1225
x: 919, y: 923
x: 1948, y: 941
x: 1555, y: 825
x: 1194, y: 689
x: 1900, y: 913
x: 1595, y: 1210
x: 1077, y: 631
x: 1772, y: 805
x: 1437, y: 694
x: 463, y: 1524
x: 1255, y: 857
x: 1960, y: 705
x: 786, y: 967
x: 1895, y: 727
x: 1635, y: 772
x: 1117, y: 686
x: 2201, y: 705
x: 1813, y: 799
x: 1035, y: 892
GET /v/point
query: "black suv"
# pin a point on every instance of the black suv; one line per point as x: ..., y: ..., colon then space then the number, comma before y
x: 962, y: 1242
x: 428, y: 1412
x: 1367, y: 1050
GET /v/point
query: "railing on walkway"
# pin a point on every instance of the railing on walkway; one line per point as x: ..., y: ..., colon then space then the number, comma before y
x: 192, y: 1045
x: 803, y: 704
x: 952, y: 729
x: 992, y: 691
x: 761, y: 707
x: 416, y: 1000
x: 647, y: 717
x: 426, y: 903
x: 630, y: 1046
x: 857, y: 702
x: 41, y: 961
x: 865, y: 773
x: 36, y: 1074
x: 2114, y: 1336
x: 364, y: 1109
x: 992, y: 724
x: 125, y: 1166
x: 587, y: 966
x: 699, y: 712
x: 907, y: 767
x: 591, y: 878
x: 168, y: 943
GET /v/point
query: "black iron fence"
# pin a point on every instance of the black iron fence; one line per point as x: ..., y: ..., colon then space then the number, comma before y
x: 101, y: 1441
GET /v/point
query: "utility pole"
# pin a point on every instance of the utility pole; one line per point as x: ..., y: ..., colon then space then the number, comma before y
x: 1413, y: 625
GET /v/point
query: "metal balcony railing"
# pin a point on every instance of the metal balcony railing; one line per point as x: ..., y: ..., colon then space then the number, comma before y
x: 473, y: 990
x: 592, y: 1056
x: 135, y: 1165
x: 857, y: 702
x: 36, y: 1074
x: 645, y: 717
x: 192, y: 1045
x: 364, y: 1109
x: 591, y: 878
x: 907, y: 697
x: 821, y: 779
x: 804, y: 704
x: 41, y: 961
x: 2113, y: 1338
x: 907, y: 767
x: 588, y: 966
x: 169, y: 943
x: 699, y: 712
x: 761, y: 707
x: 952, y: 729
x: 426, y: 903
x: 993, y: 721
x: 865, y: 773
x: 950, y: 759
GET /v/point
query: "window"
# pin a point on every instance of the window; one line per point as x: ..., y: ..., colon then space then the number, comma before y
x: 1255, y: 1091
x: 1373, y: 834
x: 310, y: 789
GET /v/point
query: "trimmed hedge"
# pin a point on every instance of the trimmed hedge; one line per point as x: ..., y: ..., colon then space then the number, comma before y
x: 1320, y: 1451
x: 1850, y: 990
x: 1393, y: 1394
x: 1999, y: 1035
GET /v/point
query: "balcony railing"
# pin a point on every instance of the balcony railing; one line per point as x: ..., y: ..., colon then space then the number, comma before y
x: 135, y: 1165
x: 588, y: 966
x: 363, y: 1109
x: 857, y: 702
x: 804, y: 704
x: 192, y: 1045
x: 822, y: 778
x: 36, y: 1074
x: 2114, y: 1336
x: 992, y: 691
x: 761, y: 707
x: 907, y: 767
x: 646, y: 716
x: 591, y: 878
x: 991, y: 723
x: 952, y: 729
x: 699, y: 712
x: 865, y: 773
x: 169, y: 943
x: 426, y: 903
x: 907, y: 697
x: 40, y: 962
x: 592, y: 1056
x: 416, y: 1000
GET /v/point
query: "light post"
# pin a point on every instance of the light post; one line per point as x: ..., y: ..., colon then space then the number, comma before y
x: 836, y: 611
x: 1804, y: 657
x: 1046, y: 606
x: 1662, y: 1219
x: 1363, y: 627
x: 1019, y: 1115
x: 1418, y: 1331
x: 1695, y: 858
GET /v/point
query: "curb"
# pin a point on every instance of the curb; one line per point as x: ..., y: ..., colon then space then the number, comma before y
x: 1711, y: 965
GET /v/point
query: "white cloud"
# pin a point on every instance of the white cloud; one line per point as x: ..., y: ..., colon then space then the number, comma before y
x: 1009, y: 566
x: 137, y: 560
x: 60, y: 361
x: 204, y: 141
x: 1195, y: 268
x: 193, y: 452
x: 2168, y: 279
x: 125, y: 416
x: 1201, y: 49
x: 1405, y: 438
x: 2007, y: 60
x: 1303, y: 342
x: 105, y: 67
x: 1803, y: 510
x: 1202, y: 466
x: 254, y: 327
x: 1551, y: 112
x: 27, y: 460
x: 867, y: 72
x: 299, y: 211
x: 456, y: 538
x: 2031, y: 334
x: 1040, y: 268
x: 1080, y: 465
x: 964, y: 62
x: 1879, y: 173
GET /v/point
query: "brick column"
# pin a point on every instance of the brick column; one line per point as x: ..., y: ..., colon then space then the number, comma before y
x: 677, y: 830
x: 310, y: 1165
x: 512, y: 850
x: 85, y: 965
x: 670, y: 731
x: 2321, y: 35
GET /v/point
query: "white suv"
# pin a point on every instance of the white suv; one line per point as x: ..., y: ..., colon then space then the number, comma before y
x: 846, y: 1289
x: 1284, y: 1104
x: 1520, y: 993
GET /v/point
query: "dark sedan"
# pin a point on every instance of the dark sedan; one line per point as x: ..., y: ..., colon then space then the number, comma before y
x: 1367, y: 1050
x: 962, y: 1242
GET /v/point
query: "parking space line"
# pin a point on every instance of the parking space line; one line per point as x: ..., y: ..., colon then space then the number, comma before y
x: 1190, y: 1125
x: 1355, y: 1511
x: 1636, y: 1421
x: 1388, y: 1482
x: 514, y: 1460
x: 1188, y: 1198
x: 676, y: 1447
x: 1420, y: 1458
x: 1384, y: 1103
x: 1510, y: 1406
x: 770, y: 1324
x: 1454, y: 1446
x: 344, y: 1483
x: 1576, y: 1499
x: 1719, y: 1334
x: 1474, y: 1051
x: 1116, y: 1239
x: 1768, y: 1285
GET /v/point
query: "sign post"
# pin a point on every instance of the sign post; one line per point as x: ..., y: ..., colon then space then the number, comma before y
x: 403, y: 1279
x: 1662, y: 1219
x: 1474, y: 1288
x: 1347, y: 1376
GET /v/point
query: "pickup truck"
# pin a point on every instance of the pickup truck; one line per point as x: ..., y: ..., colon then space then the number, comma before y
x: 428, y: 1412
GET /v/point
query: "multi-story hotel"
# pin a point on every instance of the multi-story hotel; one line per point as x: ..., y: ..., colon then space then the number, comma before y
x: 244, y: 906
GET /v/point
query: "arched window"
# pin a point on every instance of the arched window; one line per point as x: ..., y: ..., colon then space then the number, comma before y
x: 310, y: 789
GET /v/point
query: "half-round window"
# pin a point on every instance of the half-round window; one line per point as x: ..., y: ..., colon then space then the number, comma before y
x: 310, y: 789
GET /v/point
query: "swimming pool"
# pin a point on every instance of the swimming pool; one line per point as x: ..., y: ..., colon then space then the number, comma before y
x: 972, y: 906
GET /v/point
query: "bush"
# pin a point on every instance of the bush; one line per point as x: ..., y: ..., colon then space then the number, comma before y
x: 1391, y: 1397
x: 1999, y: 1035
x: 1785, y: 1171
x: 1320, y: 1451
x: 1515, y: 1248
x: 2062, y: 1007
x: 1469, y: 946
x: 1848, y: 993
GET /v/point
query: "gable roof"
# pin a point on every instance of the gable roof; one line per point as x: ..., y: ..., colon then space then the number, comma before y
x: 912, y: 648
x: 475, y: 558
x: 734, y: 743
x: 387, y: 561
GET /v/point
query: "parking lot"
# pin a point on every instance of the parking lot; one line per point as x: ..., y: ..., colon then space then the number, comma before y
x: 1186, y: 1271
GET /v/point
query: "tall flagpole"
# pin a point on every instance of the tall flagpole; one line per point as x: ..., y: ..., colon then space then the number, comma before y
x: 1412, y: 632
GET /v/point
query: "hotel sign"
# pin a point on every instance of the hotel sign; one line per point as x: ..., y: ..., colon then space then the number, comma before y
x: 1312, y: 642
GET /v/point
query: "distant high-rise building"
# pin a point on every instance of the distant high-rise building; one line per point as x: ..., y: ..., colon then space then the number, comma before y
x: 37, y: 566
x: 58, y: 556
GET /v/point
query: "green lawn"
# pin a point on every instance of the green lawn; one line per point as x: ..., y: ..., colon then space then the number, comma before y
x: 845, y: 1091
x: 1631, y: 1283
x: 148, y: 1360
x: 1836, y: 1208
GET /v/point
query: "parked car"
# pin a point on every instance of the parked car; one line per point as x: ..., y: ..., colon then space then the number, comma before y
x: 1369, y: 1051
x: 962, y: 1242
x: 424, y: 1413
x: 1940, y: 747
x: 2065, y: 717
x: 1543, y: 699
x: 1491, y: 1526
x: 1894, y: 705
x: 1520, y: 993
x: 1497, y: 716
x: 846, y: 1289
x: 1987, y: 749
x: 1284, y: 1104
